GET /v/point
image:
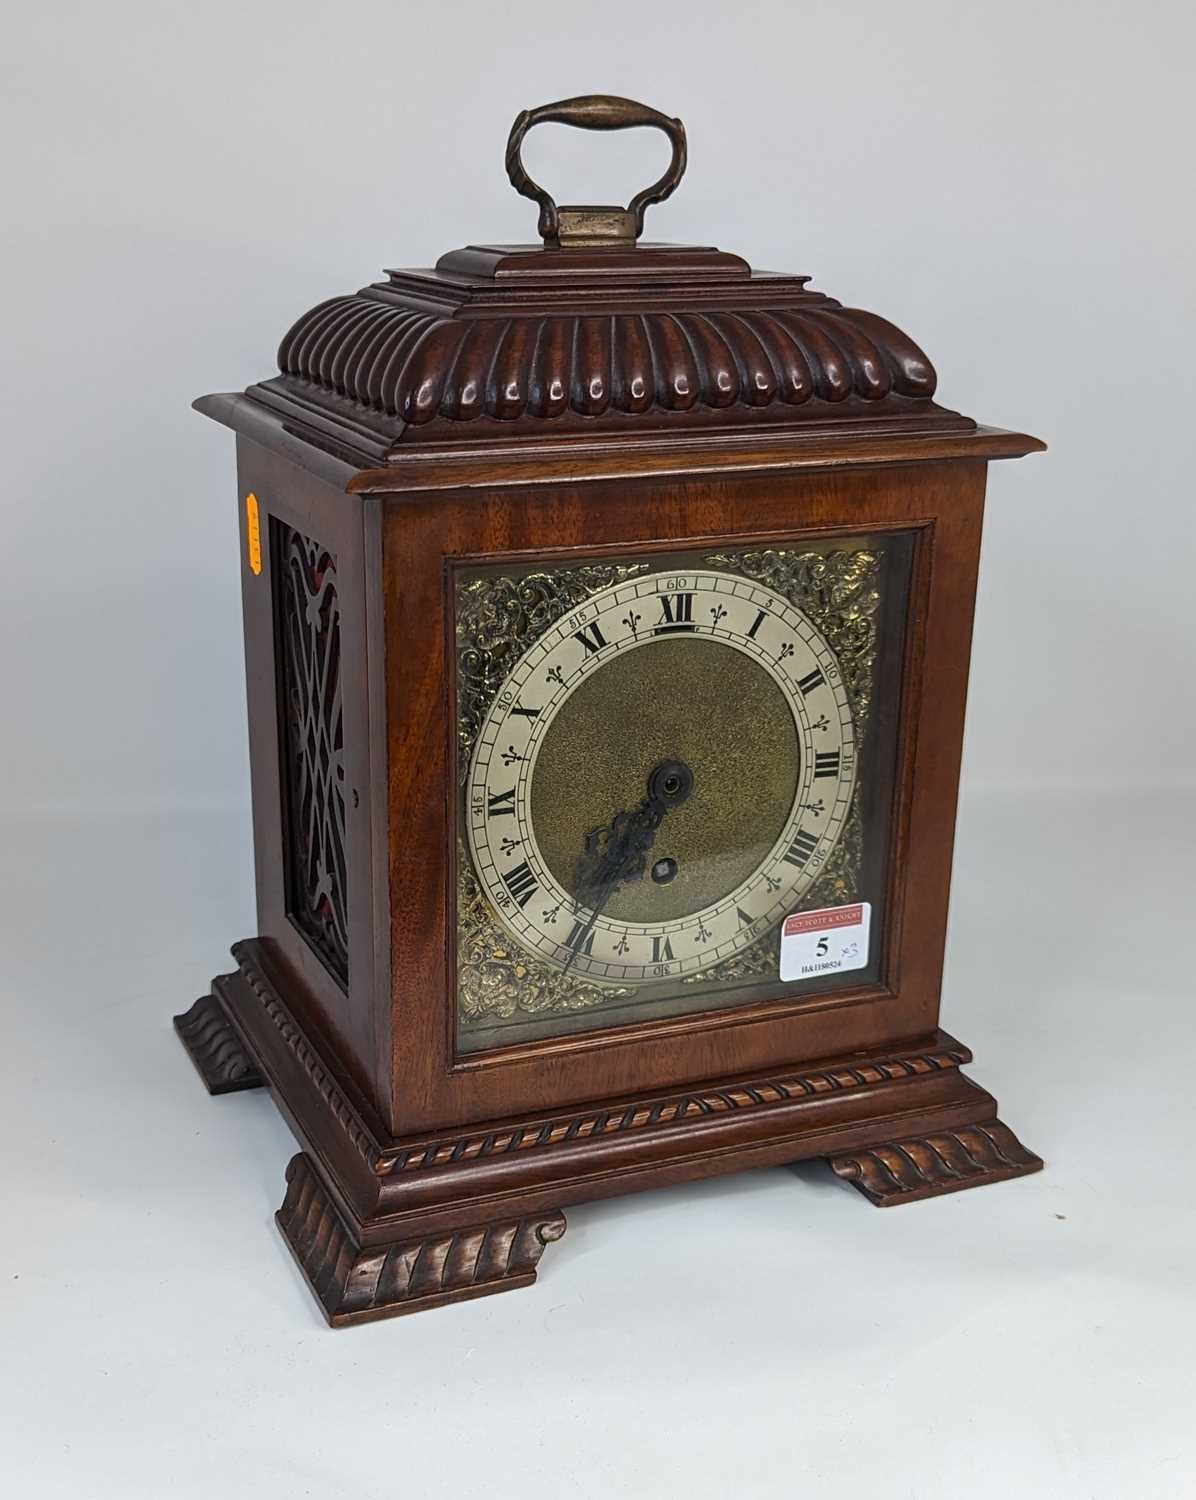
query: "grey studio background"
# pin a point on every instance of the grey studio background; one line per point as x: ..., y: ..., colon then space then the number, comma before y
x: 1008, y: 183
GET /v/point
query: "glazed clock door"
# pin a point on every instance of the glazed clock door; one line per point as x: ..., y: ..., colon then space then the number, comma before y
x: 662, y: 757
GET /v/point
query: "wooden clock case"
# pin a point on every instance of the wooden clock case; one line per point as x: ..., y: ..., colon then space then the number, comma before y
x: 555, y: 404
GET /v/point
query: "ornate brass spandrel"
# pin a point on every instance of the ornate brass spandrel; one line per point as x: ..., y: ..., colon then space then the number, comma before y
x: 499, y: 616
x: 839, y: 590
x: 497, y: 980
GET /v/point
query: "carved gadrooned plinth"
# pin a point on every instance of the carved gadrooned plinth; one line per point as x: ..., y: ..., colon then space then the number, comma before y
x: 215, y: 1048
x: 355, y: 1283
x: 944, y: 1162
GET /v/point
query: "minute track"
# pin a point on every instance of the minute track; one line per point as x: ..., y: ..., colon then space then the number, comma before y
x: 600, y: 644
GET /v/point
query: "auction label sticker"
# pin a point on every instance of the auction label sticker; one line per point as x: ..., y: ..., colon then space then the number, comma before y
x: 830, y: 941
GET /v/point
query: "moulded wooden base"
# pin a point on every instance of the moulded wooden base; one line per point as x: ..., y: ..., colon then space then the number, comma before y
x: 945, y: 1162
x: 356, y: 1283
x: 382, y: 1225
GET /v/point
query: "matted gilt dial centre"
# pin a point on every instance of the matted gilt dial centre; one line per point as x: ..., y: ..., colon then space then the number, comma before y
x: 687, y: 698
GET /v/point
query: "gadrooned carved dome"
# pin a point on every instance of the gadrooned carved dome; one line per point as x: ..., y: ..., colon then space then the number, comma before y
x: 420, y: 367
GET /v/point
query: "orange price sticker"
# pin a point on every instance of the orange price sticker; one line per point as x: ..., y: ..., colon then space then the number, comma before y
x: 253, y: 533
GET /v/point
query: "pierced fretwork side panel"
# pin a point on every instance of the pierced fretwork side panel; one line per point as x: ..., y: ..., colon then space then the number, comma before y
x: 312, y: 743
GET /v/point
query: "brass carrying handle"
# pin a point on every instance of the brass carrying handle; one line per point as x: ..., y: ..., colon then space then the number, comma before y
x: 604, y: 224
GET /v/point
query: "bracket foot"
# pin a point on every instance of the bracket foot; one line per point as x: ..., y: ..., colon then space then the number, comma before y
x: 216, y: 1049
x: 943, y: 1162
x: 355, y: 1282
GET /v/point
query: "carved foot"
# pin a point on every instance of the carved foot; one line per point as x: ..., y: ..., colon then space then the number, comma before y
x: 216, y: 1049
x: 354, y: 1283
x: 944, y: 1162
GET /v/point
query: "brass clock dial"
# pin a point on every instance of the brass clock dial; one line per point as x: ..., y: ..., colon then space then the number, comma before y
x: 661, y: 777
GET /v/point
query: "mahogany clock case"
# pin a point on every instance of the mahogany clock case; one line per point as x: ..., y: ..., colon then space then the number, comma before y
x: 431, y: 1169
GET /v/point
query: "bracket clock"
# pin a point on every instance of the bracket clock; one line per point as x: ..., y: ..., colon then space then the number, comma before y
x: 607, y: 617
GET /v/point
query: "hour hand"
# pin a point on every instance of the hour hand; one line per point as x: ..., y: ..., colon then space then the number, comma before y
x: 617, y: 852
x: 614, y: 853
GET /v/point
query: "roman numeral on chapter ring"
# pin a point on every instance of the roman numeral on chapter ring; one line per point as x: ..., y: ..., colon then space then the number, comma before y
x: 498, y: 803
x: 756, y: 624
x: 580, y: 940
x: 528, y: 713
x: 591, y: 637
x: 521, y: 882
x: 826, y: 763
x: 801, y: 848
x: 662, y: 949
x: 676, y: 612
x: 812, y: 680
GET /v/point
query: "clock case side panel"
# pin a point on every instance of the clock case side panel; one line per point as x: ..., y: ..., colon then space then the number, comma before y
x: 337, y: 1010
x: 424, y: 538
